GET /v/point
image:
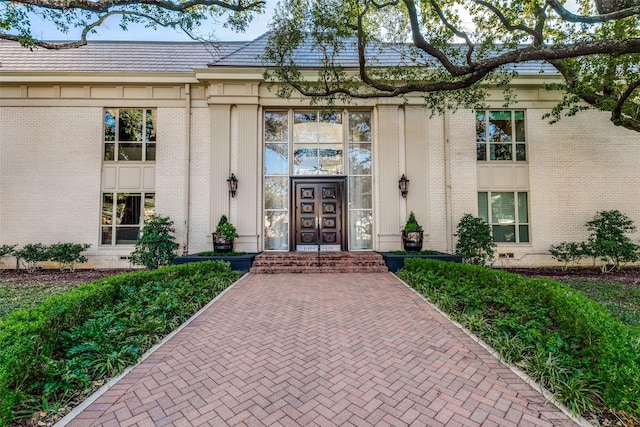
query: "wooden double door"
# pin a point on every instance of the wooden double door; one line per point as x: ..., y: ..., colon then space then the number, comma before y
x: 319, y: 214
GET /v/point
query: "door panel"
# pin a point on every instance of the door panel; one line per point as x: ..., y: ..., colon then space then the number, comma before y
x: 318, y: 215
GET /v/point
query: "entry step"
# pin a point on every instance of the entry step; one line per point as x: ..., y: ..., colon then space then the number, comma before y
x: 325, y: 262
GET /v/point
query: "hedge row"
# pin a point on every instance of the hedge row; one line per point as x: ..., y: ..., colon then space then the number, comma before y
x: 40, y: 348
x: 547, y: 317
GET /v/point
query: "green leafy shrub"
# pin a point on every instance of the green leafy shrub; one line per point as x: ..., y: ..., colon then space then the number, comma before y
x: 412, y: 225
x: 475, y: 243
x: 68, y: 254
x: 156, y: 244
x: 571, y: 344
x: 56, y: 350
x: 608, y: 240
x: 225, y: 230
x: 568, y: 253
x: 31, y: 255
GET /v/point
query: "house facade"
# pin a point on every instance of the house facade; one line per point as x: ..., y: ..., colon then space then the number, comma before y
x: 96, y: 139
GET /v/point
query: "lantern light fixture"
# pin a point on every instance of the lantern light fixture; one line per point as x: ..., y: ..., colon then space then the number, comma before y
x: 232, y: 181
x: 403, y: 184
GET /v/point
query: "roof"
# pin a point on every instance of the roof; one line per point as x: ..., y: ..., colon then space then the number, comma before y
x: 179, y: 57
x: 115, y: 56
x: 307, y: 55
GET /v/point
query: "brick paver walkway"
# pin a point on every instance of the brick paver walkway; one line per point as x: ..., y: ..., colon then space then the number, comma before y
x: 321, y: 349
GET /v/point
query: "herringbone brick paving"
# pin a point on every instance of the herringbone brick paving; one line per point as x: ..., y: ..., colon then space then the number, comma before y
x: 321, y: 349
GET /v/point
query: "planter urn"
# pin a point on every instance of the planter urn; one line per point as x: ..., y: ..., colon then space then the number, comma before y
x: 412, y: 240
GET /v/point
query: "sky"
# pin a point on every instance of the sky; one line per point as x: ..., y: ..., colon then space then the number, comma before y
x: 110, y: 30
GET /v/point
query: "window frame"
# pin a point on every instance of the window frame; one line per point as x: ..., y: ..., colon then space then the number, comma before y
x: 517, y: 148
x: 147, y: 140
x: 109, y: 226
x: 517, y: 223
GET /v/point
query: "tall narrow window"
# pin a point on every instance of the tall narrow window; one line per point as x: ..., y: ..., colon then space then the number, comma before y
x: 500, y: 135
x: 507, y: 213
x: 360, y: 181
x: 124, y: 215
x: 276, y: 180
x: 129, y: 135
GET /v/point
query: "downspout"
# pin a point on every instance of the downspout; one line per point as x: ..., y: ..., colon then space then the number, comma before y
x: 187, y: 166
x: 447, y: 185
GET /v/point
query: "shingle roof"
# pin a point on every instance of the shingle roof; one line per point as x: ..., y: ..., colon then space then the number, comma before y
x: 175, y: 57
x: 308, y: 56
x: 103, y: 56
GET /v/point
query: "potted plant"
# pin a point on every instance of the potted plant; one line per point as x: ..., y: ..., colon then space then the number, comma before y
x: 412, y: 235
x: 224, y: 235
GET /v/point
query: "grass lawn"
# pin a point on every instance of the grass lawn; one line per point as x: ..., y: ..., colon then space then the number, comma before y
x: 622, y: 300
x: 14, y: 297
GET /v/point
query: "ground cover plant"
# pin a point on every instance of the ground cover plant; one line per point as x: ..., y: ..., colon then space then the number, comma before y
x: 568, y: 343
x: 55, y: 354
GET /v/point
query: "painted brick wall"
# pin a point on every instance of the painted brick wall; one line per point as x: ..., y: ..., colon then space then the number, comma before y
x: 50, y: 175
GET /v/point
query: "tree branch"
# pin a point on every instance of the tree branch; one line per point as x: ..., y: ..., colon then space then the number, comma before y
x: 594, y: 19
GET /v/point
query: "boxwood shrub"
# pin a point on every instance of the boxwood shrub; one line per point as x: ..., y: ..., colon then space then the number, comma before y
x: 550, y: 322
x: 50, y: 353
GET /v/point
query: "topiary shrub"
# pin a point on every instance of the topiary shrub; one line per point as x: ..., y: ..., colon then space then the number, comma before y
x: 156, y: 244
x: 475, y: 243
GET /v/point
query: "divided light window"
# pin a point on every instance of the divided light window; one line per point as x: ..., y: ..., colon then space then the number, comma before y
x: 130, y: 135
x: 500, y: 135
x: 507, y: 213
x: 124, y: 215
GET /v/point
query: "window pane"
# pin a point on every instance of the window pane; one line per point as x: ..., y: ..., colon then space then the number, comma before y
x: 481, y: 127
x: 150, y: 124
x: 521, y: 153
x: 107, y: 208
x: 128, y: 211
x: 276, y: 159
x: 126, y: 235
x: 481, y: 150
x: 519, y: 116
x: 151, y: 152
x: 360, y: 192
x: 149, y: 206
x: 483, y: 206
x: 276, y: 230
x: 503, y: 208
x: 305, y: 160
x: 305, y: 128
x: 501, y: 151
x: 109, y: 125
x: 523, y: 211
x: 130, y: 125
x: 107, y: 235
x: 276, y: 192
x: 330, y: 128
x: 360, y: 229
x: 109, y: 151
x: 276, y: 126
x: 524, y: 233
x: 500, y: 126
x: 129, y: 151
x: 504, y: 233
x: 360, y: 159
x: 330, y: 158
x: 360, y: 126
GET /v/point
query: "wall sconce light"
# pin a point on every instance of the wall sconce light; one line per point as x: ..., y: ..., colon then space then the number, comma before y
x: 403, y: 184
x: 233, y: 185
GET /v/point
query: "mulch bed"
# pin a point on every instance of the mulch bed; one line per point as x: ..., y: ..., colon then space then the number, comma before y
x: 56, y: 277
x: 627, y: 276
